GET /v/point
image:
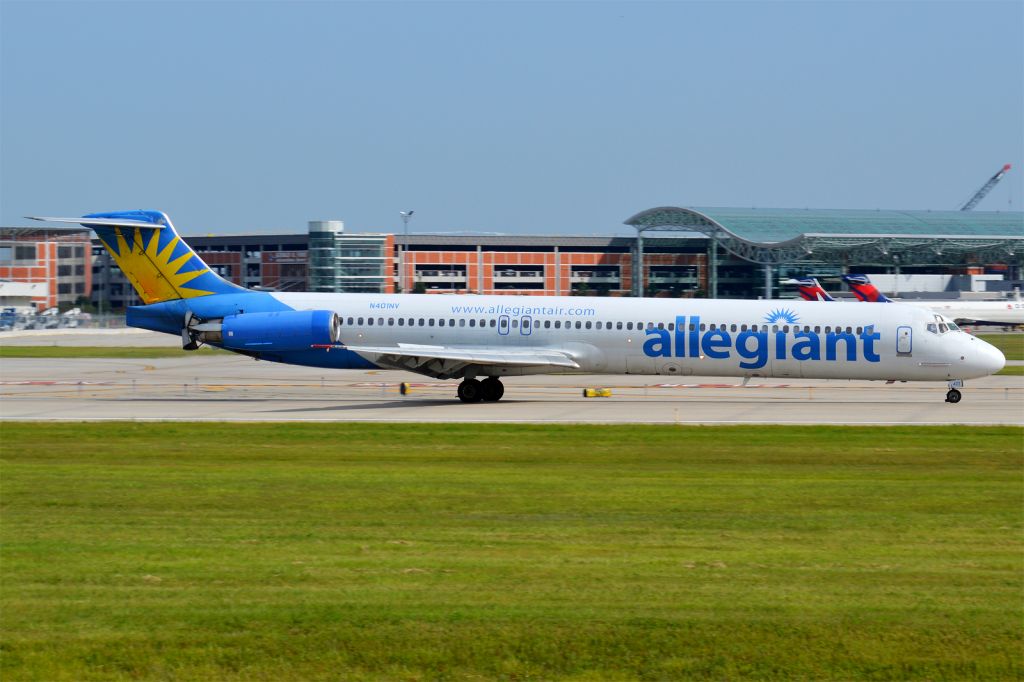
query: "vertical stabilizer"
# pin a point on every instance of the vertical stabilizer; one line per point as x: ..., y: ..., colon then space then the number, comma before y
x: 811, y: 290
x: 863, y: 289
x: 151, y: 254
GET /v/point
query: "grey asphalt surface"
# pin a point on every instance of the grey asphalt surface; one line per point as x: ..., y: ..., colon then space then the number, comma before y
x: 232, y: 388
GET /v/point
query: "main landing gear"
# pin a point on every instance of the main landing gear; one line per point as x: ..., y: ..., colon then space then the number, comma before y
x: 489, y: 390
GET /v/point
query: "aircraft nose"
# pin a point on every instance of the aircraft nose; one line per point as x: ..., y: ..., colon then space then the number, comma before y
x: 988, y: 358
x: 994, y: 359
x: 980, y: 358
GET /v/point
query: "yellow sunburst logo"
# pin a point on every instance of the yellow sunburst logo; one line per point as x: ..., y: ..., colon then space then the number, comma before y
x: 150, y: 269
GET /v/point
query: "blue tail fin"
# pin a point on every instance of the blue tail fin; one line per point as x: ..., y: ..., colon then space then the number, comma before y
x: 159, y: 264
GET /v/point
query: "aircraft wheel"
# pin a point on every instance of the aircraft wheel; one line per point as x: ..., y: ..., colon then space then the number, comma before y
x: 493, y: 389
x: 953, y: 396
x: 470, y: 391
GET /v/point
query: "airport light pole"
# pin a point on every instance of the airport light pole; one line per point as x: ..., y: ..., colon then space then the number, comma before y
x: 406, y: 216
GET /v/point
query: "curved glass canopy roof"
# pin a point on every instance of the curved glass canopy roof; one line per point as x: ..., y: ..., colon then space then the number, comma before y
x: 771, y: 236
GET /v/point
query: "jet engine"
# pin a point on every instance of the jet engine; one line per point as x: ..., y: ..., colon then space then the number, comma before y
x: 290, y: 330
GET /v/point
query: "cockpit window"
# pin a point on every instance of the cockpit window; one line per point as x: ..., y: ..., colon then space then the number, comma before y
x: 941, y: 325
x: 952, y: 326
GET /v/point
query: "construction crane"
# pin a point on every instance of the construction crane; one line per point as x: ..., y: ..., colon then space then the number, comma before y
x: 986, y: 188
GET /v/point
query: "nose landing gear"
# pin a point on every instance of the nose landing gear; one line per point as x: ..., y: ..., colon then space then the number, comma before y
x: 953, y: 394
x: 489, y: 390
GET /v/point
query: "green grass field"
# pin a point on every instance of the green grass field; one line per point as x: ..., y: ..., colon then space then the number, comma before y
x: 349, y: 551
x: 128, y: 352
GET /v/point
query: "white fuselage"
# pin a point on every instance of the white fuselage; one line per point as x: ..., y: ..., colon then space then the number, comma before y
x: 772, y: 338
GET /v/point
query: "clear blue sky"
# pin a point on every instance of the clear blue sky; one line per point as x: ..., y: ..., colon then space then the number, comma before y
x: 518, y: 117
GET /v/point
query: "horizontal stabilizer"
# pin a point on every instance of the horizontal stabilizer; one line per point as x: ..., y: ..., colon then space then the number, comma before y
x: 105, y: 222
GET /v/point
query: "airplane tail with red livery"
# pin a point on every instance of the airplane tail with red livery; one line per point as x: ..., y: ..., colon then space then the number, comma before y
x: 863, y: 289
x: 811, y: 290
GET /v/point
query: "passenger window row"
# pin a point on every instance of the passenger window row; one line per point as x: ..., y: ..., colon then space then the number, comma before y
x: 617, y: 326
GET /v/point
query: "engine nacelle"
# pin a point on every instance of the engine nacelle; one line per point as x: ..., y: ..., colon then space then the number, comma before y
x: 284, y: 331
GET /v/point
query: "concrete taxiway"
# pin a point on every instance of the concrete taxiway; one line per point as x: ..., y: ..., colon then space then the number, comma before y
x: 226, y: 387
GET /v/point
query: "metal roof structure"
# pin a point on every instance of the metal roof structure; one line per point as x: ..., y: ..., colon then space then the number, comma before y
x: 775, y: 236
x: 44, y: 233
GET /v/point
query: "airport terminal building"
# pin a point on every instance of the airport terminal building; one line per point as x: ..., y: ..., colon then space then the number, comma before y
x: 701, y: 252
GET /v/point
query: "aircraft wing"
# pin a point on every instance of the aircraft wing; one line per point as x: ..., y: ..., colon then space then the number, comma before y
x: 445, y: 361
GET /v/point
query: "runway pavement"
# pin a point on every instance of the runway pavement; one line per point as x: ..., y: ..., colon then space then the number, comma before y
x: 232, y: 388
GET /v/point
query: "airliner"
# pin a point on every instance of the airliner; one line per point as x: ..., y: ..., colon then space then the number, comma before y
x: 999, y: 312
x: 810, y: 289
x: 480, y: 339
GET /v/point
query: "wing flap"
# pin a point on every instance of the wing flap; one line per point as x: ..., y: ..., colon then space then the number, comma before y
x: 480, y: 355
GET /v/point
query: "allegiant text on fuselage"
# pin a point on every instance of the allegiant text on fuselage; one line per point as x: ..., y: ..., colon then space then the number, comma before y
x: 688, y: 340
